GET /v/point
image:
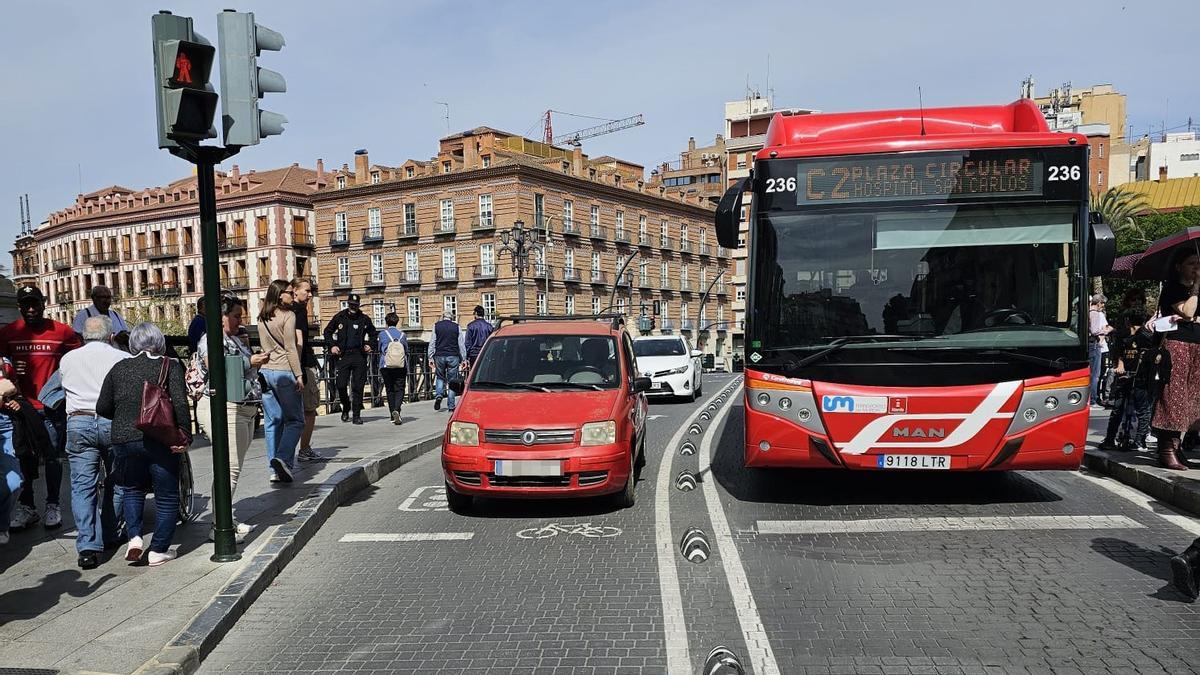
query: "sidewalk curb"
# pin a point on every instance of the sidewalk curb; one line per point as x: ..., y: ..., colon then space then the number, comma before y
x: 183, y: 654
x: 1173, y: 488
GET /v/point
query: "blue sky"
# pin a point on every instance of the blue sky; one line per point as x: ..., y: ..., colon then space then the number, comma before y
x: 77, y: 101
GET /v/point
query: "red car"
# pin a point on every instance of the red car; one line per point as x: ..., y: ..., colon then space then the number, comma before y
x: 551, y: 408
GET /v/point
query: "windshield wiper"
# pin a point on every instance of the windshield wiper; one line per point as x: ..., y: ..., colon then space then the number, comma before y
x: 510, y: 385
x: 576, y: 385
x: 843, y: 341
x: 1060, y: 364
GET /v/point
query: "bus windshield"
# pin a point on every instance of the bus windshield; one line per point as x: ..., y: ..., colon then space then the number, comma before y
x: 968, y: 276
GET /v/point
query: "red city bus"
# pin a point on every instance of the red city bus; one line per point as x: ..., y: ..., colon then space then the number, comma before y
x: 916, y: 290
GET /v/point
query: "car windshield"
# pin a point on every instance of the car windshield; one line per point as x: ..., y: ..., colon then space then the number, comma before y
x: 546, y: 361
x: 962, y: 276
x: 658, y: 348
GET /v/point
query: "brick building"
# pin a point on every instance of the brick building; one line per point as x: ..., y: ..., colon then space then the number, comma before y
x: 145, y: 244
x: 422, y: 238
x: 699, y: 171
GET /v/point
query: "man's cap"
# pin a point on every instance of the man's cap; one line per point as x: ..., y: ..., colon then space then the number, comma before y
x: 354, y: 299
x: 30, y: 294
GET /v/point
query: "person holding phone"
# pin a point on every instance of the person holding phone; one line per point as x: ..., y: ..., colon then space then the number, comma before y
x: 283, y: 407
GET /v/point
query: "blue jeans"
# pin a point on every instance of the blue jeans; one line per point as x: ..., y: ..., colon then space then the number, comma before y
x: 283, y: 415
x: 54, y: 420
x: 143, y: 466
x: 1094, y: 356
x: 10, y: 471
x: 95, y: 501
x: 445, y: 365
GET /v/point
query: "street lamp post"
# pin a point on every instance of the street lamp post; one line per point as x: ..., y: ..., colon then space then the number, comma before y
x: 519, y: 241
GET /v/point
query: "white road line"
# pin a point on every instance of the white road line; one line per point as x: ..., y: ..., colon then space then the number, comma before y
x: 674, y: 623
x: 947, y: 524
x: 406, y: 536
x: 1144, y: 501
x: 758, y: 644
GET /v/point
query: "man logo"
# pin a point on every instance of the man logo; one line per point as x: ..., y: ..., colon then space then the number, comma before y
x: 834, y: 403
x: 918, y: 432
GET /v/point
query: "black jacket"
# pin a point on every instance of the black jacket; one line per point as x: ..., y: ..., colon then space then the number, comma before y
x: 349, y: 333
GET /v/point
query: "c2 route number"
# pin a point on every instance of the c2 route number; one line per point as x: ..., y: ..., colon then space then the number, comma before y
x: 1063, y: 172
x: 781, y: 184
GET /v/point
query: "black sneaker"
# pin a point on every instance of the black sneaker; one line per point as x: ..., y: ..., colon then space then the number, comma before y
x: 89, y: 560
x: 282, y: 472
x: 345, y: 417
x: 437, y: 403
x: 1108, y: 445
x: 357, y: 420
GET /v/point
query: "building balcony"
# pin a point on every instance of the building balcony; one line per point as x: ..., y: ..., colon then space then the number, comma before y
x: 685, y: 286
x: 61, y: 264
x: 445, y: 227
x: 101, y: 258
x: 343, y: 283
x: 665, y: 284
x: 446, y: 275
x: 720, y: 289
x: 644, y: 240
x: 64, y: 297
x: 484, y: 272
x: 571, y: 275
x: 543, y: 272
x: 409, y: 278
x: 705, y: 250
x: 570, y: 228
x: 407, y: 232
x: 374, y: 281
x: 241, y: 283
x: 687, y: 325
x: 722, y: 326
x: 685, y: 246
x: 625, y: 280
x: 410, y: 327
x: 599, y: 278
x: 339, y: 239
x: 262, y: 239
x: 303, y: 240
x: 598, y: 232
x: 372, y: 235
x: 24, y: 276
x: 622, y: 237
x: 163, y: 290
x: 236, y: 243
x: 483, y: 223
x: 722, y: 252
x: 644, y: 282
x: 665, y: 243
x: 666, y: 325
x: 163, y: 252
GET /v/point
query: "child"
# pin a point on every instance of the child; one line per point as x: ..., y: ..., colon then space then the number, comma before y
x: 1132, y: 401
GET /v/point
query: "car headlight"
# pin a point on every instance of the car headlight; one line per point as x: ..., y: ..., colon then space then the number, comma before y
x: 676, y: 371
x: 464, y: 433
x: 599, y: 433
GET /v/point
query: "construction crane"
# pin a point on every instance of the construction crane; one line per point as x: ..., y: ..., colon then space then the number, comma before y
x: 575, y: 137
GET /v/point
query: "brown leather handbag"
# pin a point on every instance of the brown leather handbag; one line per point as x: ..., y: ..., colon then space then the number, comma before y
x: 156, y: 418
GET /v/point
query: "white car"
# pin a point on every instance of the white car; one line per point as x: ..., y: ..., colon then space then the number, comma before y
x: 671, y: 364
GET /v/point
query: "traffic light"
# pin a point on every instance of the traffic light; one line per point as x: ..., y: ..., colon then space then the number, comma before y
x: 243, y: 82
x: 182, y: 65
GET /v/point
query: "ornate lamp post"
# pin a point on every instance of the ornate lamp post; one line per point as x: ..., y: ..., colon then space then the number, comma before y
x: 519, y: 242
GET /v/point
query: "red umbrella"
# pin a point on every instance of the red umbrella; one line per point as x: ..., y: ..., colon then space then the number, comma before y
x: 1153, y: 264
x: 1123, y: 267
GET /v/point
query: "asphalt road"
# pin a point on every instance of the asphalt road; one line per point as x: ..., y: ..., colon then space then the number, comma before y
x: 807, y: 572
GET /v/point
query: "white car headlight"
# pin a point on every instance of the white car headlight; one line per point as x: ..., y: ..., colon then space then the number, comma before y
x: 464, y: 433
x: 676, y: 371
x: 599, y: 433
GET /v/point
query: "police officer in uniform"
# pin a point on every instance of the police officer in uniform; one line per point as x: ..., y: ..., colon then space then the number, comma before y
x: 350, y: 335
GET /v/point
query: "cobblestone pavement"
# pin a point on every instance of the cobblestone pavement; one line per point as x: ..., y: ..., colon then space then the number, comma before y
x: 830, y: 573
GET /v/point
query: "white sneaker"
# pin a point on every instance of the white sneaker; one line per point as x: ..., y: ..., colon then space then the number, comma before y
x: 156, y: 559
x: 282, y: 472
x: 133, y: 552
x: 23, y: 517
x: 53, y: 516
x: 3, y: 538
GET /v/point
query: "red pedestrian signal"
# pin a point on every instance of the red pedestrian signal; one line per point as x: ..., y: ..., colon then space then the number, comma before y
x: 183, y: 69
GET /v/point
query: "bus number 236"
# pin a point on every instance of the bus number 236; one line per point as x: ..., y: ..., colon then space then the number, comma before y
x: 781, y: 184
x: 1064, y: 172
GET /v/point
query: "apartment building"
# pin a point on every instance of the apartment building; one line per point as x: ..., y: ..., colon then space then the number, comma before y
x: 145, y: 244
x: 422, y: 238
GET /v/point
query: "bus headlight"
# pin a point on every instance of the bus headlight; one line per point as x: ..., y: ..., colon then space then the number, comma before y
x: 1074, y: 398
x: 1051, y: 402
x: 464, y: 433
x: 764, y: 398
x: 599, y: 433
x: 785, y: 403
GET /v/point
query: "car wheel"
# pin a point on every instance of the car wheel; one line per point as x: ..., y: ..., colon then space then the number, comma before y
x: 641, y: 455
x: 625, y: 498
x: 699, y: 386
x: 458, y: 502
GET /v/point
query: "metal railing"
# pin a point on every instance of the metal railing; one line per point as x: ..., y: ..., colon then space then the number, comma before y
x: 445, y: 275
x: 643, y: 239
x: 337, y: 239
x: 164, y: 290
x: 685, y: 286
x: 343, y: 282
x: 101, y: 258
x: 705, y: 250
x: 622, y: 237
x: 262, y: 239
x: 165, y: 251
x: 372, y: 235
x: 666, y: 284
x: 599, y: 277
x: 571, y: 274
x: 303, y: 240
x: 445, y: 226
x: 408, y: 277
x: 665, y: 243
x: 598, y: 232
x: 407, y: 231
x: 685, y: 246
x: 60, y: 264
x: 235, y: 243
x: 483, y: 223
x: 483, y: 272
x: 236, y: 283
x: 376, y: 281
x: 569, y: 227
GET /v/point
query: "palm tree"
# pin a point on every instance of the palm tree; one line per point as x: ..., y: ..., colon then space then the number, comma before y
x: 1120, y: 208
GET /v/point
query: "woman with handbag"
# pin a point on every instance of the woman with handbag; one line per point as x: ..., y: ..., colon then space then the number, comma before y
x: 146, y: 399
x: 283, y: 380
x: 239, y: 415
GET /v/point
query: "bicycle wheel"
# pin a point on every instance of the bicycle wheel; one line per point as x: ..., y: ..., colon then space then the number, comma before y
x: 187, y: 491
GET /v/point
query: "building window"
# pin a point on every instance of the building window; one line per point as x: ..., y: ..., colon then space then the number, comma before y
x: 595, y: 215
x: 412, y: 266
x: 741, y: 161
x: 569, y: 304
x: 414, y: 310
x: 643, y: 272
x: 595, y: 305
x: 375, y: 178
x: 447, y: 214
x: 344, y: 304
x: 378, y: 311
x: 1100, y: 178
x: 487, y: 161
x: 449, y: 267
x: 445, y: 167
x: 450, y: 305
x: 568, y: 262
x: 541, y: 304
x: 539, y: 210
x: 641, y: 228
x: 740, y: 295
x: 485, y: 210
x: 487, y: 259
x: 568, y: 212
x: 410, y: 218
x: 374, y: 222
x: 409, y: 172
x: 341, y: 182
x: 376, y: 267
x: 339, y: 224
x: 488, y: 300
x: 620, y: 305
x: 664, y: 271
x: 1101, y: 151
x: 343, y: 270
x: 1189, y: 157
x: 620, y: 223
x: 683, y: 234
x: 739, y: 268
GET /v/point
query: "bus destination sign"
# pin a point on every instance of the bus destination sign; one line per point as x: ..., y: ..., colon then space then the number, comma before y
x: 919, y: 177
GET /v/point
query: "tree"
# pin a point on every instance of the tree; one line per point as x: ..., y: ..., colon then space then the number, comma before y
x: 1120, y: 208
x: 1149, y: 227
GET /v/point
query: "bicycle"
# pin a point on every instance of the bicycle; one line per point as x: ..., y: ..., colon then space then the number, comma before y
x: 586, y: 530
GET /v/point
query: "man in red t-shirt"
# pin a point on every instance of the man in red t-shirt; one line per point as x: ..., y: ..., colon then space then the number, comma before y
x: 35, y: 345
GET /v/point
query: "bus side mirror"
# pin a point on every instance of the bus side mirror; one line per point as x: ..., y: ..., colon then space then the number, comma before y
x: 1102, y: 247
x: 729, y: 213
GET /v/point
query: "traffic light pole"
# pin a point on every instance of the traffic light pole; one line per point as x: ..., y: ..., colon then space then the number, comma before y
x: 206, y: 160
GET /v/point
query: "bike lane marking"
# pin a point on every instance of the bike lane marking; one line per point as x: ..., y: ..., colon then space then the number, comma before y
x: 947, y: 524
x: 1140, y: 499
x: 434, y: 496
x: 758, y: 643
x: 674, y: 623
x: 585, y: 530
x: 405, y: 536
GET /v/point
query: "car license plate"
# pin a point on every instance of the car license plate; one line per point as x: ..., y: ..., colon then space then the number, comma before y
x: 656, y: 385
x: 529, y: 467
x: 913, y: 461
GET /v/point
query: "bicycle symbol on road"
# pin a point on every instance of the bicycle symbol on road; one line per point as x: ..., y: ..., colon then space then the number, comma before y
x: 586, y: 530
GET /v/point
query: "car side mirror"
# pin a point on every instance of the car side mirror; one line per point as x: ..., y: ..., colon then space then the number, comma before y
x: 457, y: 386
x: 696, y: 353
x: 729, y: 213
x: 1102, y: 247
x: 641, y: 384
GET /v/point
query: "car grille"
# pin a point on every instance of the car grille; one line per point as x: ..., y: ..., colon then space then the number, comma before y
x: 540, y: 436
x: 529, y: 481
x: 468, y: 478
